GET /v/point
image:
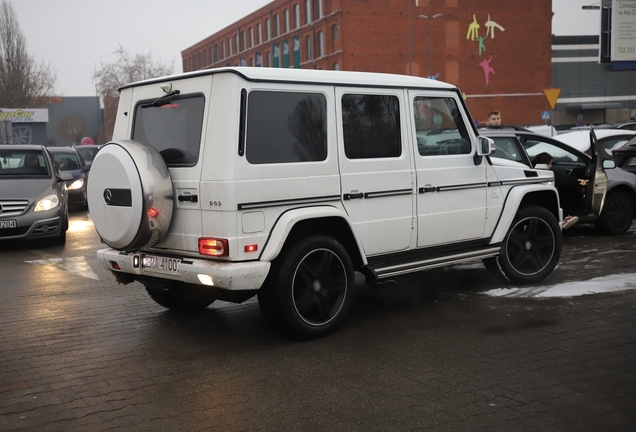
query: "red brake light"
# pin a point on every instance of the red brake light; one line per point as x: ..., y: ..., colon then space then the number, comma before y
x: 153, y: 212
x: 251, y: 248
x: 214, y: 247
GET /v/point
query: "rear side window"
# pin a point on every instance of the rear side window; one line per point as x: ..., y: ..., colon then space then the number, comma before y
x: 371, y: 126
x: 286, y: 127
x: 439, y: 127
x: 172, y: 126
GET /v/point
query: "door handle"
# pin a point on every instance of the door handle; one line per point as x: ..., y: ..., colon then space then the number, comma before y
x: 427, y: 188
x: 350, y: 196
x: 189, y: 198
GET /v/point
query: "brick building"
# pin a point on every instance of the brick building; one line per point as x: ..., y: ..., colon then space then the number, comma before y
x: 498, y: 52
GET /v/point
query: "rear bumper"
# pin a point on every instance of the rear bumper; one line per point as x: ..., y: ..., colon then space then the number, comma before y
x: 233, y: 276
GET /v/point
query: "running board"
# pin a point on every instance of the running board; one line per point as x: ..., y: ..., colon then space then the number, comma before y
x: 399, y: 268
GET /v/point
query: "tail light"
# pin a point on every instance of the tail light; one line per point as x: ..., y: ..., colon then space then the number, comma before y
x: 214, y: 247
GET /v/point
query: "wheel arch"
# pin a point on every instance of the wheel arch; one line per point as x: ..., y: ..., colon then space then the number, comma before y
x: 526, y: 196
x: 298, y: 223
x: 626, y: 189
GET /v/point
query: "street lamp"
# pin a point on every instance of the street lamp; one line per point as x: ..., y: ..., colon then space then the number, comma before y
x: 430, y: 39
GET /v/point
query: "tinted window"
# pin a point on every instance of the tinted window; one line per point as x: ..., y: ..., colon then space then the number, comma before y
x: 173, y: 128
x: 439, y: 127
x: 559, y: 155
x: 66, y: 161
x: 284, y: 127
x: 506, y: 148
x: 371, y: 126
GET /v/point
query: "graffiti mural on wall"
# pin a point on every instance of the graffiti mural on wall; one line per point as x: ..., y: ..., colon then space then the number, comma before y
x: 22, y: 135
x: 473, y: 35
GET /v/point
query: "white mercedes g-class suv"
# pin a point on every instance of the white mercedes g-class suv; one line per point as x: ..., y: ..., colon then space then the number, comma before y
x: 227, y: 183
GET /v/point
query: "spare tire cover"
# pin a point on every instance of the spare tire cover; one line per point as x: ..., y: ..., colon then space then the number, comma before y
x: 130, y: 195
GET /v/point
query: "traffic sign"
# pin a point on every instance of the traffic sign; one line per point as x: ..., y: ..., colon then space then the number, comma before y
x: 545, y: 115
x: 552, y: 94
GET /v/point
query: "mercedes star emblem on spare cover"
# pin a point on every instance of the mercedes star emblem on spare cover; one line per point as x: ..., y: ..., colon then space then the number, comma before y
x: 108, y: 196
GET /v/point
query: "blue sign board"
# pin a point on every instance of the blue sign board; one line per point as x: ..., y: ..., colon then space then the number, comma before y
x: 545, y: 115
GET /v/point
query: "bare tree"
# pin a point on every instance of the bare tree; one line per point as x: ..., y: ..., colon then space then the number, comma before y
x: 72, y: 128
x: 125, y: 70
x: 23, y: 83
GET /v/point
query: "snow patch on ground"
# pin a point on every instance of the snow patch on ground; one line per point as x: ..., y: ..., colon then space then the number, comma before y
x: 605, y: 284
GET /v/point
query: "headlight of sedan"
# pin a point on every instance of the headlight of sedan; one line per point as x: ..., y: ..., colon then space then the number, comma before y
x: 76, y: 184
x: 47, y: 203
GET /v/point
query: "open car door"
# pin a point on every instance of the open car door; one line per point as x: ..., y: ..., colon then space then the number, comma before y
x: 596, y: 198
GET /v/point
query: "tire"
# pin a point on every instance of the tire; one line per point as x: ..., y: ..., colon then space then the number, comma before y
x: 178, y: 301
x: 309, y: 289
x: 617, y: 214
x: 531, y: 249
x: 61, y: 238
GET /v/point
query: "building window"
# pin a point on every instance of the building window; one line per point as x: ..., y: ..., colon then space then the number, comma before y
x: 229, y: 46
x: 334, y: 32
x: 307, y: 11
x: 296, y: 16
x: 259, y: 34
x: 238, y: 47
x: 319, y: 8
x: 321, y: 45
x: 223, y: 49
x: 309, y: 52
x: 287, y: 20
x: 216, y: 53
x: 268, y: 30
x: 251, y: 37
x: 269, y: 59
x: 276, y: 26
x: 336, y: 66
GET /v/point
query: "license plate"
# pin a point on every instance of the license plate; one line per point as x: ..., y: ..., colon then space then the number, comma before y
x: 632, y: 161
x: 8, y: 224
x: 157, y: 264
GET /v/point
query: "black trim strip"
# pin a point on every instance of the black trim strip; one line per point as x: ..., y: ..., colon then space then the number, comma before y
x: 452, y: 187
x: 380, y: 194
x: 291, y: 201
x: 515, y: 182
x: 243, y: 114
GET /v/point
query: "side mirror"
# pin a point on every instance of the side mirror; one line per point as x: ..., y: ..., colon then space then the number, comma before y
x: 486, y: 146
x: 609, y: 164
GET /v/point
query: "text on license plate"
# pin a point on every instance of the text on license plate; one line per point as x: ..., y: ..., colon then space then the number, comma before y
x: 632, y: 161
x: 8, y: 224
x: 159, y: 264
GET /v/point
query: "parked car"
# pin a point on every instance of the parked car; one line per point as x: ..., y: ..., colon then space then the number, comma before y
x: 300, y: 178
x: 625, y: 156
x: 70, y: 162
x: 33, y: 195
x: 589, y: 186
x: 88, y: 153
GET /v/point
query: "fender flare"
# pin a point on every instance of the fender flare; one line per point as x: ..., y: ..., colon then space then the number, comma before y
x: 286, y: 222
x: 513, y: 202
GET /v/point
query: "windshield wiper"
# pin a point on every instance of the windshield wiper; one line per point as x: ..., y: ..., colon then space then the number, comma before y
x: 162, y: 100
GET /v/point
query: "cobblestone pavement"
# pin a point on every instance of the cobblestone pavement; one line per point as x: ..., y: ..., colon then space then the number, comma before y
x: 79, y: 352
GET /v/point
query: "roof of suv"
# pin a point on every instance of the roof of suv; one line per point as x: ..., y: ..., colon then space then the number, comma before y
x: 310, y: 76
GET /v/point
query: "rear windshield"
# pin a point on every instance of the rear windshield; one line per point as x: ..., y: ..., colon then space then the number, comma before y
x: 173, y: 127
x: 23, y: 163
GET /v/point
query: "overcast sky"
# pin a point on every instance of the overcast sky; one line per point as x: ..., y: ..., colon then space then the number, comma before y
x: 76, y: 36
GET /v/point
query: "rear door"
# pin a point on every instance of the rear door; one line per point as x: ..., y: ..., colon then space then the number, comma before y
x: 375, y: 167
x: 175, y: 127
